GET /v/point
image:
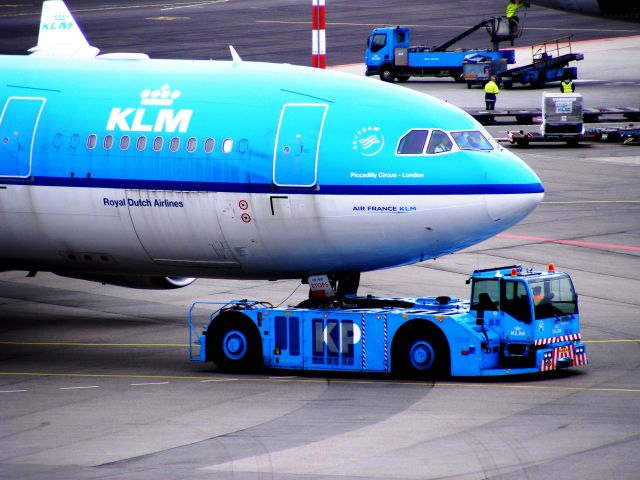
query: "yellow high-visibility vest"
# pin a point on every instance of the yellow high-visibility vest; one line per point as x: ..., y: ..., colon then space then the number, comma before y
x: 491, y: 87
x: 512, y: 9
x: 567, y: 86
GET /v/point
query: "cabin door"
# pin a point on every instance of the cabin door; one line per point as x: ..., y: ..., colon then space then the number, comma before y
x: 295, y: 157
x: 18, y: 123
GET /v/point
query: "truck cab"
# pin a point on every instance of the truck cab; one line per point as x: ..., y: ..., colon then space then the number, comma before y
x: 381, y: 50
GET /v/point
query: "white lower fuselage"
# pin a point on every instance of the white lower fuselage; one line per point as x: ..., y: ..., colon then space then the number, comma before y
x: 220, y: 234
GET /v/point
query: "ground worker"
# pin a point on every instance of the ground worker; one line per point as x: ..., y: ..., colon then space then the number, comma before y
x: 566, y: 85
x: 490, y: 91
x: 511, y: 13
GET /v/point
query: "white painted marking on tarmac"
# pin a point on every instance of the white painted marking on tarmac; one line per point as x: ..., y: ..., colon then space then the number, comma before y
x: 148, y: 383
x: 12, y: 391
x: 79, y: 388
x: 220, y: 380
x: 201, y: 4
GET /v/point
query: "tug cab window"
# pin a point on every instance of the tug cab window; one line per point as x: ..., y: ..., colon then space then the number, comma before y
x: 514, y: 300
x: 471, y: 140
x: 485, y: 295
x: 439, y: 142
x: 508, y: 296
x: 553, y: 296
x: 413, y: 142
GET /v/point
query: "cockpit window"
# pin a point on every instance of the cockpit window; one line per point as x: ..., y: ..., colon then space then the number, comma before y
x: 439, y: 142
x: 471, y: 140
x: 413, y: 142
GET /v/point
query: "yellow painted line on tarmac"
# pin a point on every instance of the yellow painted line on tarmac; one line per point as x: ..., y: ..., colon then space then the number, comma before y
x: 100, y: 375
x: 82, y: 344
x: 332, y: 380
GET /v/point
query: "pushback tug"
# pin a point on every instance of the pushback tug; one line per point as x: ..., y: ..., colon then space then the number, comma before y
x: 518, y: 321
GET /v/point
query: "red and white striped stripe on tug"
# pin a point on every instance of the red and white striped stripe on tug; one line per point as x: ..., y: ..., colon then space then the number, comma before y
x: 551, y: 363
x: 562, y: 338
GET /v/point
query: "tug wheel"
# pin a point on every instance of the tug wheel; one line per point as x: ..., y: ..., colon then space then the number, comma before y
x: 235, y: 344
x: 420, y: 351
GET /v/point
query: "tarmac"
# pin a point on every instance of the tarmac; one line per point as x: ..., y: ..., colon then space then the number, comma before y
x: 95, y: 381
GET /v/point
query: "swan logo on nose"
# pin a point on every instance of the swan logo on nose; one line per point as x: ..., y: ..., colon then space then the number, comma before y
x: 368, y: 141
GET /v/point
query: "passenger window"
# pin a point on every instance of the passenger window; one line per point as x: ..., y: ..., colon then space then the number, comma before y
x: 227, y: 145
x: 439, y: 142
x: 471, y: 140
x: 91, y: 141
x: 157, y: 144
x: 208, y: 145
x: 174, y: 145
x: 107, y: 142
x: 192, y: 143
x: 57, y: 140
x: 141, y: 143
x: 124, y: 142
x: 378, y: 42
x: 413, y: 142
x: 75, y: 140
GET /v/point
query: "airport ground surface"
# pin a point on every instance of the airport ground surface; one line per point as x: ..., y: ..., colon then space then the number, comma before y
x: 95, y: 381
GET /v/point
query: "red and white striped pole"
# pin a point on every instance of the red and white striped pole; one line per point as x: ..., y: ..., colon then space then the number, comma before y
x: 318, y: 42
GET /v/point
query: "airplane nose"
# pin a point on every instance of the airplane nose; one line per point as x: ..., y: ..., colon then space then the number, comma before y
x: 509, y: 209
x: 514, y: 191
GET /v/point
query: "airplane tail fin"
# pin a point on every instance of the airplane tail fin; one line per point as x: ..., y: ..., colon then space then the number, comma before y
x: 60, y: 35
x: 234, y: 55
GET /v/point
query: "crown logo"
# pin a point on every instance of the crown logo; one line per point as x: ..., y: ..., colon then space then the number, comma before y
x: 61, y: 17
x: 162, y: 96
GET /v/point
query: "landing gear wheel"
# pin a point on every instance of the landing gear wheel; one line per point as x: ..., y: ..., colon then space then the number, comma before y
x: 235, y: 344
x: 387, y: 74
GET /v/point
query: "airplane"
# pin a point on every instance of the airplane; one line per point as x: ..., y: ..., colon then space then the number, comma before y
x: 623, y: 9
x: 151, y: 173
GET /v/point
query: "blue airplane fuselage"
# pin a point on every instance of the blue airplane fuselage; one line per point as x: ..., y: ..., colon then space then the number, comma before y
x: 237, y: 169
